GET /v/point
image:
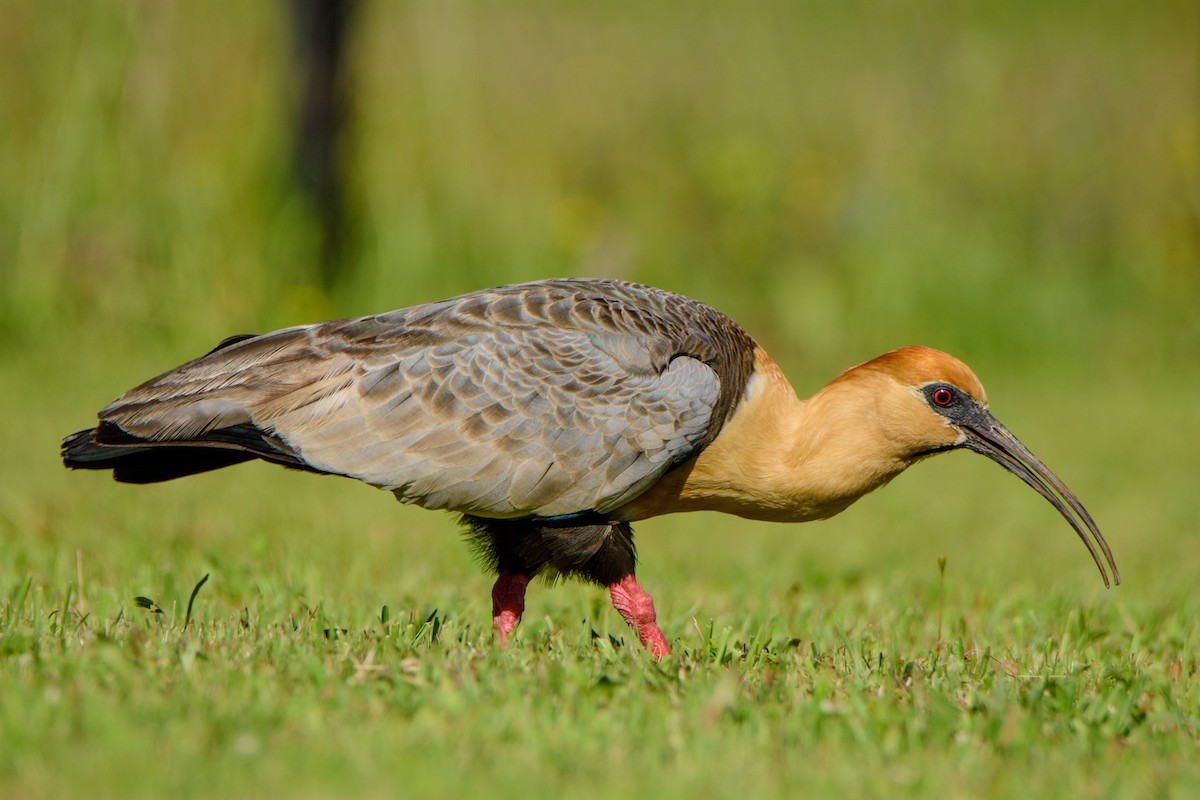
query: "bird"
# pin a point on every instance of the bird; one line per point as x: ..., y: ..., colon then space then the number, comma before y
x: 553, y: 415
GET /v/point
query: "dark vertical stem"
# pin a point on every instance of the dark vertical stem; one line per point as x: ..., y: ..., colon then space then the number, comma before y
x: 319, y: 28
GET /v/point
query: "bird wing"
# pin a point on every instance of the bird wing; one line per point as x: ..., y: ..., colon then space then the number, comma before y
x: 544, y: 399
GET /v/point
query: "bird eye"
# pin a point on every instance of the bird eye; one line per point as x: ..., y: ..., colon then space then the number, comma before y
x: 943, y: 396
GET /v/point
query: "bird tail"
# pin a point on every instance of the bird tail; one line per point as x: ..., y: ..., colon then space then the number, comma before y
x: 134, y: 459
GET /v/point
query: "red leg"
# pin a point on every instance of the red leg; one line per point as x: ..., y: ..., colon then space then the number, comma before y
x: 508, y: 603
x: 637, y: 608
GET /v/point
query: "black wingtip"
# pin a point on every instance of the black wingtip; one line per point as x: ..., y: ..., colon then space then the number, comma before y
x: 80, y: 451
x: 137, y: 460
x: 144, y: 463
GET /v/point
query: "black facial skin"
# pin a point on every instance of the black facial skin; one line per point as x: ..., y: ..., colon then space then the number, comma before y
x: 987, y: 436
x: 961, y: 410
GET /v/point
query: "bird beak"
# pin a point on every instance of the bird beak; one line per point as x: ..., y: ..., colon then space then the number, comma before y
x: 987, y: 436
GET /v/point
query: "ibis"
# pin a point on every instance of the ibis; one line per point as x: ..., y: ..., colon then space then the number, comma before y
x: 552, y: 416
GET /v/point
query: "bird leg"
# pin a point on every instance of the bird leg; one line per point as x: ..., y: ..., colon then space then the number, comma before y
x: 637, y: 608
x: 508, y: 603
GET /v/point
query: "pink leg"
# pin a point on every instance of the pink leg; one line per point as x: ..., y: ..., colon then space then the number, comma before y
x: 508, y: 603
x: 637, y: 608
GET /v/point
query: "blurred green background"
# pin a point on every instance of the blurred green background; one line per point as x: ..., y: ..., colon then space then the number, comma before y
x: 1013, y: 181
x: 1017, y: 183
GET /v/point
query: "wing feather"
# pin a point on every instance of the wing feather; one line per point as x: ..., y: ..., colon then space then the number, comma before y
x: 544, y: 399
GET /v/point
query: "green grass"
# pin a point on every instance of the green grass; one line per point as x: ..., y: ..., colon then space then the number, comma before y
x: 1015, y: 183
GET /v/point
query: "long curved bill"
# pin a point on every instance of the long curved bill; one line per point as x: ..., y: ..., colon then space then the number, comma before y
x: 987, y: 436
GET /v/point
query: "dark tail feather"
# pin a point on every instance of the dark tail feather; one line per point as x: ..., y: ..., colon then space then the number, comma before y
x: 136, y: 460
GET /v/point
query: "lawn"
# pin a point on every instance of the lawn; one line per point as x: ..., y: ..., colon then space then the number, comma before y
x: 1016, y: 184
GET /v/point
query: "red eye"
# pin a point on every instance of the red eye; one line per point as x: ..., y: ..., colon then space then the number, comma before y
x: 943, y: 397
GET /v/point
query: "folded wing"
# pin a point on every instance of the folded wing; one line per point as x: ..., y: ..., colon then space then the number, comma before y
x: 544, y: 399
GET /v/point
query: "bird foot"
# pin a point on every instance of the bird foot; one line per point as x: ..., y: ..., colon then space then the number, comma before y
x: 637, y: 609
x: 508, y: 603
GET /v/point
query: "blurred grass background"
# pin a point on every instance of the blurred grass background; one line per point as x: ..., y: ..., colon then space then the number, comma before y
x: 1013, y: 180
x: 1016, y: 183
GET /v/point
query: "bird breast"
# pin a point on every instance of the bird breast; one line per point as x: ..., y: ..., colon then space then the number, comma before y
x: 778, y: 459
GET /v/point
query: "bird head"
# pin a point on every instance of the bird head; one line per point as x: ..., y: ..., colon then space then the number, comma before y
x: 929, y: 402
